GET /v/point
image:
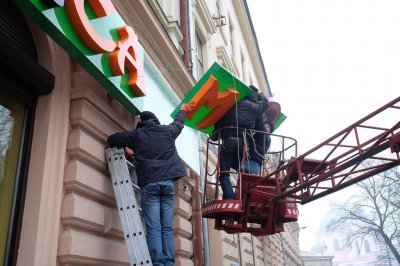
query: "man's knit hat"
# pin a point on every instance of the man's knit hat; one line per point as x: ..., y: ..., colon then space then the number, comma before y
x: 147, y: 115
x: 254, y: 88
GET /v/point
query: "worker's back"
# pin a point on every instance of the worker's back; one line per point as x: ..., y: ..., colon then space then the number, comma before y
x: 241, y: 115
x: 156, y: 156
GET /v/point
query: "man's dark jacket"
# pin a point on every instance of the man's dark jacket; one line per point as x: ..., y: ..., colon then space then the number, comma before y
x: 247, y: 111
x: 154, y: 147
x: 259, y: 142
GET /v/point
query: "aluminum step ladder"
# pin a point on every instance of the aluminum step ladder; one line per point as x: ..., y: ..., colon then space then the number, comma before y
x: 127, y: 196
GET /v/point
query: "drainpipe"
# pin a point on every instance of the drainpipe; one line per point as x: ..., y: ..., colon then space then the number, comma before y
x: 185, y: 32
x: 192, y: 33
x: 198, y: 243
x: 187, y: 27
x: 197, y: 234
x: 240, y: 255
x: 206, y: 242
x: 253, y: 246
x: 283, y: 250
x: 263, y: 240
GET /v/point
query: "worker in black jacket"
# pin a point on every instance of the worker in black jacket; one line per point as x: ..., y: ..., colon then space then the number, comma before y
x: 231, y: 128
x: 258, y: 145
x: 157, y: 166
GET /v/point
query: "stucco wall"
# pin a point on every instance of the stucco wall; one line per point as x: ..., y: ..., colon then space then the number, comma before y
x: 90, y: 221
x: 70, y: 214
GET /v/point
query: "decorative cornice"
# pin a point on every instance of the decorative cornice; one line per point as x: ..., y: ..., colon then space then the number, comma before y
x: 205, y: 17
x: 172, y: 26
x: 223, y: 54
x: 250, y: 39
x: 157, y: 44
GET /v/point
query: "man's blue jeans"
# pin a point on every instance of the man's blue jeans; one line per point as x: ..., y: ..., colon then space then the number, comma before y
x: 157, y: 200
x: 230, y: 157
x: 252, y: 167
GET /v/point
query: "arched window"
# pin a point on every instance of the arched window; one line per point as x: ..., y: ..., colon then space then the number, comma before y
x: 23, y: 79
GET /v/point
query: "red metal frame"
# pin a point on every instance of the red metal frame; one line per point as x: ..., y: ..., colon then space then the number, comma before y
x: 241, y: 214
x: 343, y: 155
x: 264, y: 203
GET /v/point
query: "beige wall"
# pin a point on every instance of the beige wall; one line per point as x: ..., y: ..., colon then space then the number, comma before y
x: 70, y: 216
x: 41, y: 217
x: 77, y: 217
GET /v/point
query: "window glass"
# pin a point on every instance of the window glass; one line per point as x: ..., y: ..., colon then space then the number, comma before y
x: 11, y: 120
x: 199, y: 55
x: 243, y: 70
x: 6, y: 126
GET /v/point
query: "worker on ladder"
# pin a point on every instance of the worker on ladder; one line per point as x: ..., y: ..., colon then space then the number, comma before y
x: 157, y: 166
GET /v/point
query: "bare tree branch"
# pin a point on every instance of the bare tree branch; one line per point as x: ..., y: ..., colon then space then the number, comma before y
x: 375, y: 211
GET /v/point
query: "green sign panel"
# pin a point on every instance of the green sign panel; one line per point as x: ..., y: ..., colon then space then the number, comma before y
x: 225, y: 81
x: 212, y: 86
x: 96, y: 36
x: 282, y: 117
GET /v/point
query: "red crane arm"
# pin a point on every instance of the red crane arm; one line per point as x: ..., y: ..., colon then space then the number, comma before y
x: 304, y: 180
x: 262, y: 204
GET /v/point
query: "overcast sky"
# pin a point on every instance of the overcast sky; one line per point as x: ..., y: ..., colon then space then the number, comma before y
x: 329, y: 63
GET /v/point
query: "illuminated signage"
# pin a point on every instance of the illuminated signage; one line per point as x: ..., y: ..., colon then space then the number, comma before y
x: 96, y: 36
x: 214, y: 94
x: 218, y: 102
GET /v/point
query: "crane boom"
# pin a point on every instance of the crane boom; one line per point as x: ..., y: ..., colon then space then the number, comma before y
x: 265, y: 202
x: 343, y: 155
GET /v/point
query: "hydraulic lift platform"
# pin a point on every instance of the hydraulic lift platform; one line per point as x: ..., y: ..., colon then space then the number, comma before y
x: 264, y: 202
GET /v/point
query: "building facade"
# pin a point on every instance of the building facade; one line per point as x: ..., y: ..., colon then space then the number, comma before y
x: 58, y: 107
x: 312, y: 259
x: 364, y: 250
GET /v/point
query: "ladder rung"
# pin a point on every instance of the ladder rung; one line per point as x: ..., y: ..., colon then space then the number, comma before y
x: 124, y: 190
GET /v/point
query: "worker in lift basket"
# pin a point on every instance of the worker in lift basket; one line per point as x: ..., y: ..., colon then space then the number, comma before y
x: 231, y: 128
x: 258, y: 145
x: 157, y: 166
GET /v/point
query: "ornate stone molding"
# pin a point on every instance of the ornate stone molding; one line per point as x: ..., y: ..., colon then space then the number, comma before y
x: 172, y: 26
x: 226, y: 60
x: 205, y: 17
x: 41, y: 223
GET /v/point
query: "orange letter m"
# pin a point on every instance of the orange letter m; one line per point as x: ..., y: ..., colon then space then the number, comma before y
x: 209, y: 96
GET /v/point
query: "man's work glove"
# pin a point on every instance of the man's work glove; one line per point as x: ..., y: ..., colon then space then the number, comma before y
x: 129, y: 153
x: 188, y: 107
